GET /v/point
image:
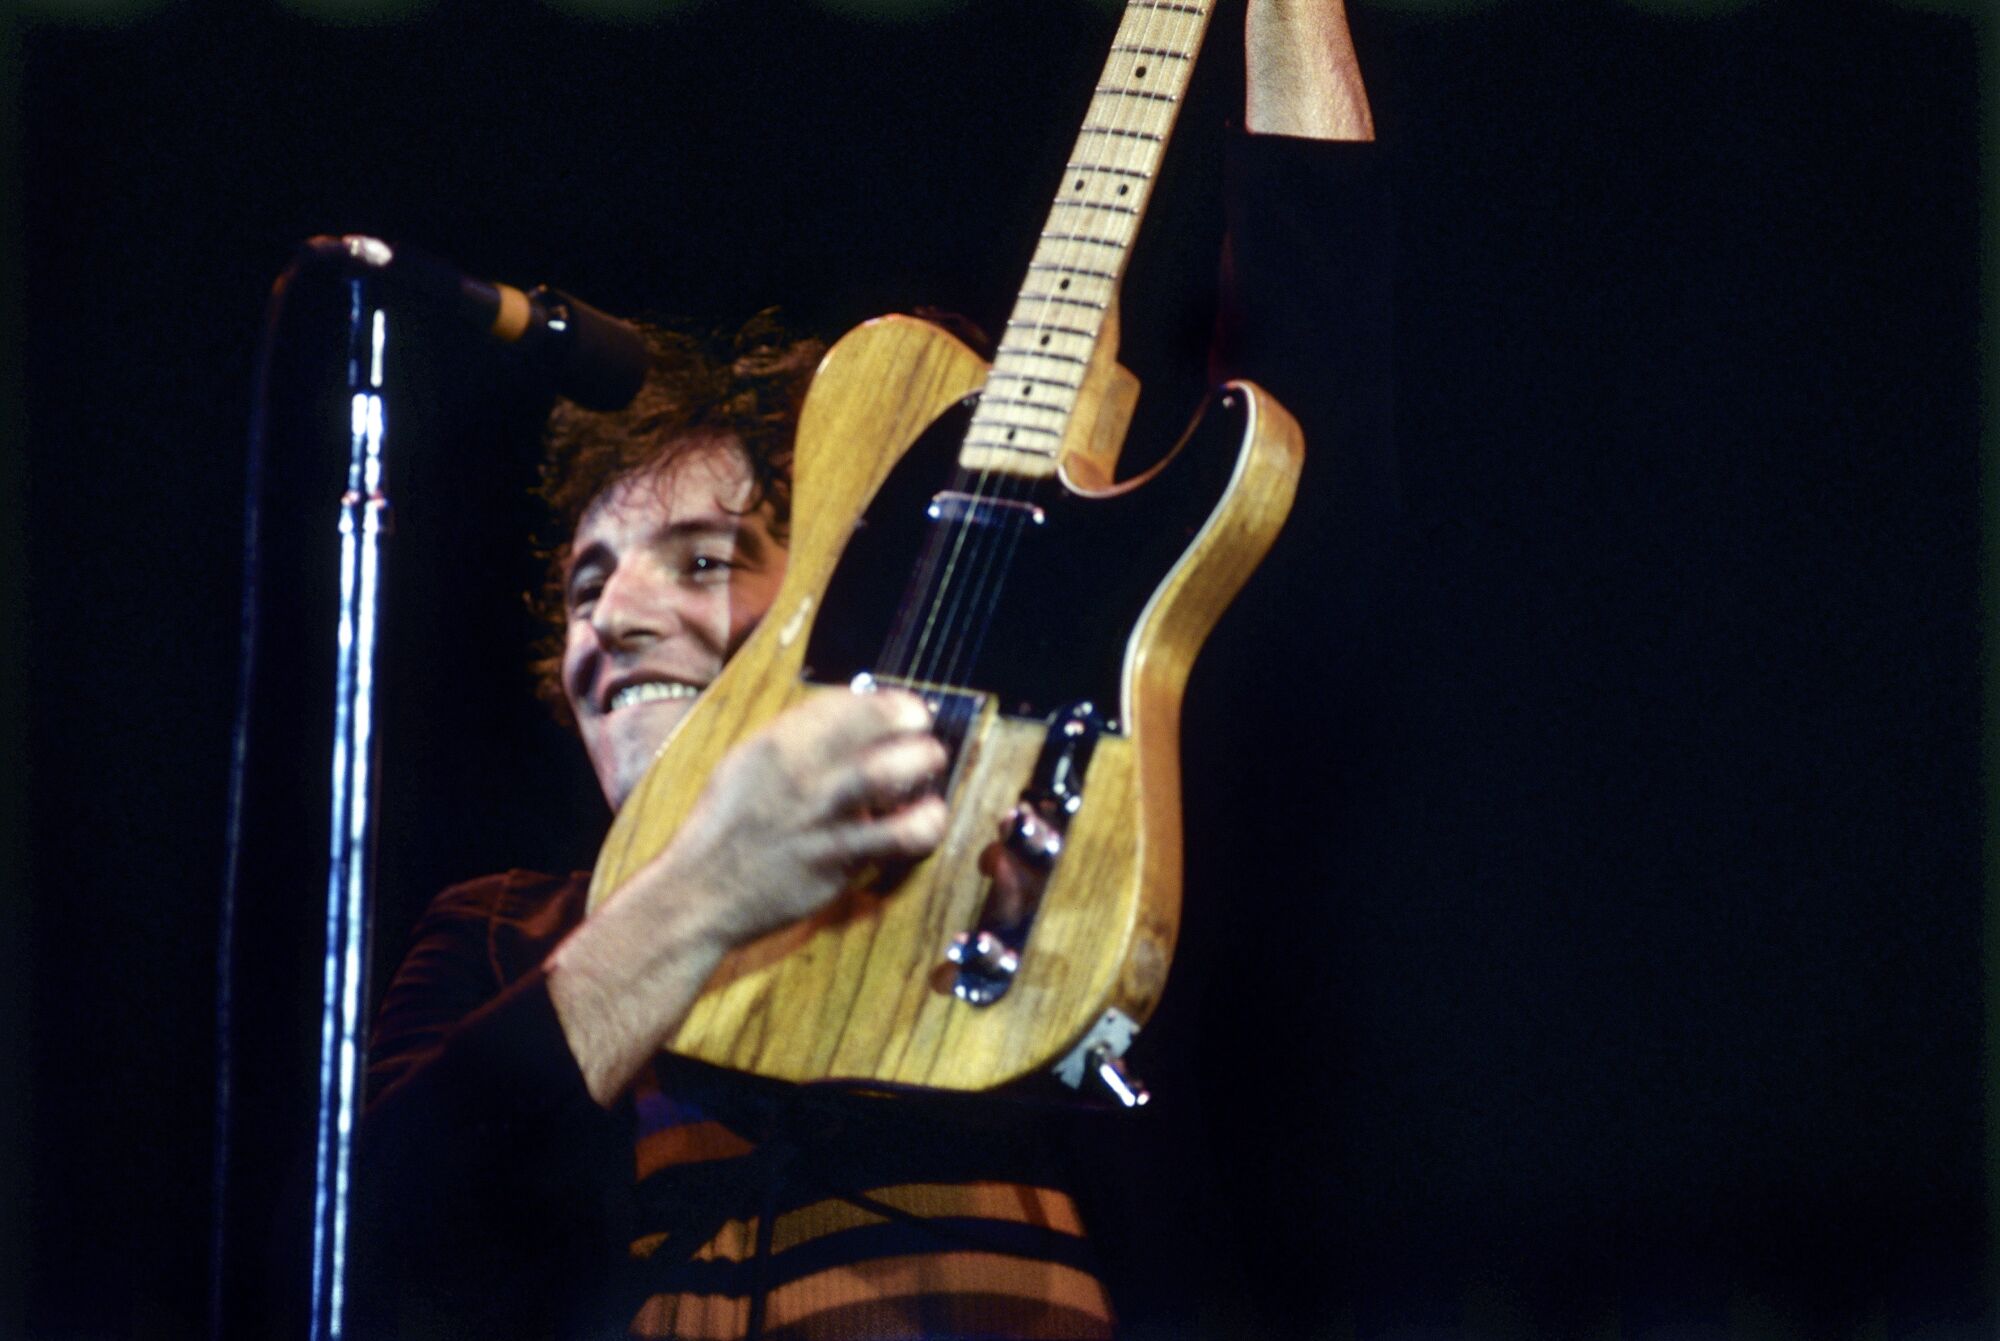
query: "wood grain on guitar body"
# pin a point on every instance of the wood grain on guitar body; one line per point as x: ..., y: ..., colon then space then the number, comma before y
x: 919, y: 464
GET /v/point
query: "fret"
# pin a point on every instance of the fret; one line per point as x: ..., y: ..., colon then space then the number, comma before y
x: 1049, y: 409
x: 1083, y: 270
x: 1029, y: 379
x: 1172, y: 6
x: 1018, y: 352
x: 1053, y: 407
x: 1152, y: 136
x: 1104, y: 206
x: 1057, y: 391
x: 995, y: 398
x: 1140, y: 173
x: 1113, y: 243
x: 1064, y: 299
x: 993, y: 432
x: 1162, y: 53
x: 1013, y: 427
x: 991, y: 405
x: 1108, y: 90
x: 1053, y: 326
x: 992, y: 446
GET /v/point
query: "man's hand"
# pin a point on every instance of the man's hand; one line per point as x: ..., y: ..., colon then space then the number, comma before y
x: 834, y: 784
x: 1301, y: 76
x: 839, y: 782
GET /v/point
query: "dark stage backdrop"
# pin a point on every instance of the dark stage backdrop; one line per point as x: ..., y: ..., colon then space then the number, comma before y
x: 1632, y: 989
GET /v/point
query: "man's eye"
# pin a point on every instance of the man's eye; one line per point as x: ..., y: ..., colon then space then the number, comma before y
x: 584, y: 593
x: 710, y: 567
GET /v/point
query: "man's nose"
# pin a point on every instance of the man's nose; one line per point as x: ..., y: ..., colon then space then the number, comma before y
x: 634, y: 608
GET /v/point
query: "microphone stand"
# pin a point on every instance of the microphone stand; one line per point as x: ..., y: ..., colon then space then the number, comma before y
x: 595, y: 360
x: 365, y: 519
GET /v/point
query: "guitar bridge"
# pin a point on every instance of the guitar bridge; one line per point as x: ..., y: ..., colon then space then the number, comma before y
x: 1018, y: 863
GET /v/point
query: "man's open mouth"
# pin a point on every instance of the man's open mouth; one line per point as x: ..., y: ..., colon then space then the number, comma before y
x: 648, y: 690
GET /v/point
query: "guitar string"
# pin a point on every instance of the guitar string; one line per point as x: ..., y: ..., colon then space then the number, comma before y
x: 1080, y: 242
x: 968, y: 611
x: 961, y: 609
x: 1075, y: 240
x: 953, y: 599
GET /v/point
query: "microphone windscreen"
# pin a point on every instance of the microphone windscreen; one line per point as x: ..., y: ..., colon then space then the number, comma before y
x: 602, y: 360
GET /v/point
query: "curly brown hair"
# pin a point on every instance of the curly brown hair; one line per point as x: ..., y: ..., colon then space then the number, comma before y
x: 744, y: 384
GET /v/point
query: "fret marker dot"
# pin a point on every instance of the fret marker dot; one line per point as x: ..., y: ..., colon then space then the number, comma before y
x: 1063, y: 285
x: 1045, y: 340
x: 1121, y: 190
x: 1139, y: 73
x: 1079, y: 183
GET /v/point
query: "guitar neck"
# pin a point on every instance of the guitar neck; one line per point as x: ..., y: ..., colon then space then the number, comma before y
x: 1072, y: 283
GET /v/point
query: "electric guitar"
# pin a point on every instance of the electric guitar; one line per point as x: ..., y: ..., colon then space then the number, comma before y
x: 960, y: 529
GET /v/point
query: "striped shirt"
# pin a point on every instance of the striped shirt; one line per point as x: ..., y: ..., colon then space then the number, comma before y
x: 756, y: 1209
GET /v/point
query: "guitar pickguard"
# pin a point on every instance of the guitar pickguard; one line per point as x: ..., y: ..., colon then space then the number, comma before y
x: 1079, y: 579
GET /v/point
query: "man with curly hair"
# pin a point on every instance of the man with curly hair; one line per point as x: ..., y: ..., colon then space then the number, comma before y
x: 535, y: 1164
x: 761, y: 1209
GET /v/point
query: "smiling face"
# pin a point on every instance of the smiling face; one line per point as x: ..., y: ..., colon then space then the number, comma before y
x: 667, y: 575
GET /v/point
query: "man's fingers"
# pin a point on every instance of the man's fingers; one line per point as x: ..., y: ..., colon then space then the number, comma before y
x: 842, y: 723
x: 887, y: 775
x: 904, y: 834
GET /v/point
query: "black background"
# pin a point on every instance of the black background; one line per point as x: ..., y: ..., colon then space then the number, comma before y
x: 1636, y: 988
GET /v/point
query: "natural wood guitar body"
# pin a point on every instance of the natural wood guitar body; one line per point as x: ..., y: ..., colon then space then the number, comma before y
x: 857, y: 992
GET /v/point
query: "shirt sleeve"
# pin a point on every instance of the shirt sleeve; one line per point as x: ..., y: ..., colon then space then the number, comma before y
x: 492, y: 1192
x: 1307, y: 313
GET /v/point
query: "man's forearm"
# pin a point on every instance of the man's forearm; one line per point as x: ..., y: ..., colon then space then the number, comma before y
x: 622, y: 980
x: 1301, y: 76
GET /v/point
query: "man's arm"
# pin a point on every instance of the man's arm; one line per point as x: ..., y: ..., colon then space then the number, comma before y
x: 836, y: 783
x: 480, y: 1204
x: 1301, y: 76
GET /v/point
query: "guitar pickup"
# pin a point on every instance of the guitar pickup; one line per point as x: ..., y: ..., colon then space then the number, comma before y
x: 954, y: 713
x: 978, y: 510
x: 1018, y: 864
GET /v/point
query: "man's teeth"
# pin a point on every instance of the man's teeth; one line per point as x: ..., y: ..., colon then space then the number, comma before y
x: 650, y: 690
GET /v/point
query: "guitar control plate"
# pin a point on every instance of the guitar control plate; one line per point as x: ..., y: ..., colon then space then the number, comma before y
x: 1017, y: 865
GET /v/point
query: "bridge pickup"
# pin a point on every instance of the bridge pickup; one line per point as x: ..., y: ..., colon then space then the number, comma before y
x: 975, y: 510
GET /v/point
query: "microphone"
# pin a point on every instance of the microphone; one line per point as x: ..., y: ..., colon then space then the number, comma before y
x: 591, y: 356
